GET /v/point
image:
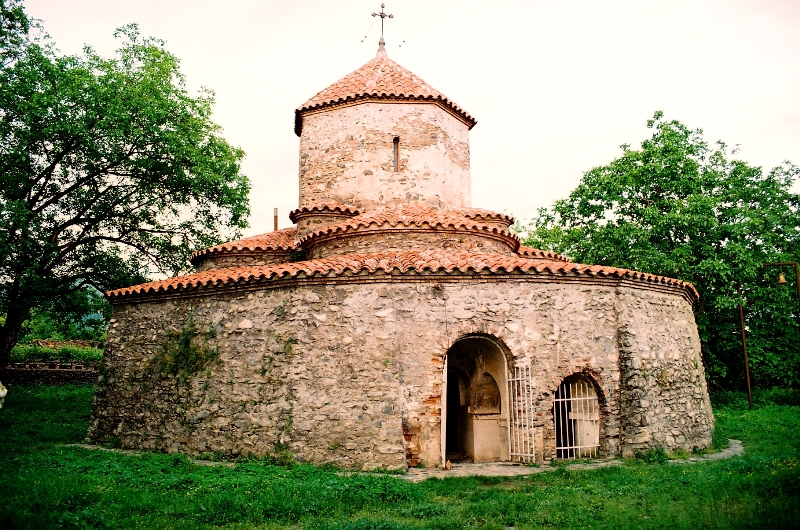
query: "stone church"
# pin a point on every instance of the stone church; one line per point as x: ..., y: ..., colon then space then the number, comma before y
x: 394, y: 324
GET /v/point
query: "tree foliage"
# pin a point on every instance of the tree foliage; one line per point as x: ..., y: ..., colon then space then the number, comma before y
x: 110, y: 171
x: 83, y: 315
x: 14, y: 28
x: 680, y: 207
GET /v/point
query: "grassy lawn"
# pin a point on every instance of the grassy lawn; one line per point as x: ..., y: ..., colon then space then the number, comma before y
x: 44, y: 484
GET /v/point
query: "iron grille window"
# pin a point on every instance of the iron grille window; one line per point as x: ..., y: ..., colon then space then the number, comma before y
x: 576, y: 412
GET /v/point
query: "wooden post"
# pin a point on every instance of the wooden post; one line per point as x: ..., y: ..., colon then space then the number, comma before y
x: 276, y: 219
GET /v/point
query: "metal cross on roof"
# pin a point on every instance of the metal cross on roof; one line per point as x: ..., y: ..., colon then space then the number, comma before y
x: 382, y: 15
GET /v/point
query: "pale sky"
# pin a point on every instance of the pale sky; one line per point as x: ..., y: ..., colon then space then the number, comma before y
x: 556, y: 86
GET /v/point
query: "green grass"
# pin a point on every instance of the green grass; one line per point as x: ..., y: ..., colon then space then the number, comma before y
x: 44, y: 484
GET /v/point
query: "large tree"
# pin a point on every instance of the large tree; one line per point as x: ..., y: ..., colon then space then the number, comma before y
x: 110, y: 171
x: 680, y: 207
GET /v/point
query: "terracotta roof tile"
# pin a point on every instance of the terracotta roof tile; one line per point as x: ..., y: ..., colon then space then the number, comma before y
x: 476, y: 213
x: 380, y: 78
x: 418, y: 216
x: 535, y: 253
x: 321, y: 207
x: 279, y: 240
x: 402, y: 262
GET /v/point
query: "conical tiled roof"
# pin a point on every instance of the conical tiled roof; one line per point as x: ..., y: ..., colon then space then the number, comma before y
x: 452, y: 263
x: 380, y: 78
x: 277, y: 241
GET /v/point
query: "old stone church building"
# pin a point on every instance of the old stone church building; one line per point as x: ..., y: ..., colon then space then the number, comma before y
x: 395, y: 324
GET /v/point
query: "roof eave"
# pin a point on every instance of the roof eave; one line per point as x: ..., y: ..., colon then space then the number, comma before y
x: 457, y: 112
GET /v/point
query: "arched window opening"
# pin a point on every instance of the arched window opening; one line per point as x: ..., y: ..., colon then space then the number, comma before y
x: 576, y: 412
x: 396, y: 163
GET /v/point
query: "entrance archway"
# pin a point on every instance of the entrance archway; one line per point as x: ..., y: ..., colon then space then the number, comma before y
x: 475, y: 425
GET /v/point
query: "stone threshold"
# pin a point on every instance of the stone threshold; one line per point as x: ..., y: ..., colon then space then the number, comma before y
x: 509, y: 469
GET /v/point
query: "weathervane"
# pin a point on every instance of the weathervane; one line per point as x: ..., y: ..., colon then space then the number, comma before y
x: 382, y: 15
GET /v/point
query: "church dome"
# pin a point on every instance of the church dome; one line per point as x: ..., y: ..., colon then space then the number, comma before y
x: 379, y: 79
x: 382, y: 136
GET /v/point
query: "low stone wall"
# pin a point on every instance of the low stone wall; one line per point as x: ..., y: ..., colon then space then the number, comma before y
x: 46, y: 376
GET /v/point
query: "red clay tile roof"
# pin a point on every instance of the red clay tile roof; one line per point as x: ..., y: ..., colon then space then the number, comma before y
x: 535, y: 253
x: 405, y: 216
x: 475, y: 213
x: 433, y: 261
x: 380, y: 78
x: 280, y: 240
x: 323, y: 207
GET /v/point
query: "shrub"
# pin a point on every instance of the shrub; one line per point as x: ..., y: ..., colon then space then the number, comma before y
x: 654, y: 455
x: 186, y: 351
x: 23, y: 353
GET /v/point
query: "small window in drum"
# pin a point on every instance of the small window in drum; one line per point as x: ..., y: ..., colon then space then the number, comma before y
x: 396, y: 143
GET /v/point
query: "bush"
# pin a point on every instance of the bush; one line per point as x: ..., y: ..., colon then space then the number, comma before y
x: 654, y: 455
x: 26, y: 353
x: 185, y: 351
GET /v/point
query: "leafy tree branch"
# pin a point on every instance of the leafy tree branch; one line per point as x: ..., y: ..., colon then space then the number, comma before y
x: 110, y: 171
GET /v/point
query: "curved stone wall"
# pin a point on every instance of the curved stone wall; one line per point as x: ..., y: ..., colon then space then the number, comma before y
x: 242, y: 259
x: 347, y: 154
x: 309, y: 223
x: 383, y: 239
x: 351, y: 373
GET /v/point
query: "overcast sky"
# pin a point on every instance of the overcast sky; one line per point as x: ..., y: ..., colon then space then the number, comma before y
x: 556, y: 85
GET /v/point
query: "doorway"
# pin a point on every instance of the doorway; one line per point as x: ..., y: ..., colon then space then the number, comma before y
x: 576, y: 415
x: 475, y: 422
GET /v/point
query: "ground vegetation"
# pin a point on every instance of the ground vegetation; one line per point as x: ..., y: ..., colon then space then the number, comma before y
x: 48, y: 483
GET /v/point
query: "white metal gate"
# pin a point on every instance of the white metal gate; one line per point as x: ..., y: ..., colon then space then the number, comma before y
x: 522, y: 433
x: 577, y: 419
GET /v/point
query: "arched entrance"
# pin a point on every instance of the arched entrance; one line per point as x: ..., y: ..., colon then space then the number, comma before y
x: 475, y: 425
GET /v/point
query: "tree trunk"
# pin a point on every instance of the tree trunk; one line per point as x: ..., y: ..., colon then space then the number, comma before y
x: 9, y: 332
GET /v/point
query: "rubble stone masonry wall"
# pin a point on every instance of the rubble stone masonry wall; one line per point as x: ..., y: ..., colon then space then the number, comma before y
x: 399, y: 240
x: 351, y: 373
x: 666, y: 401
x: 20, y: 376
x: 347, y: 156
x: 242, y: 259
x: 310, y: 223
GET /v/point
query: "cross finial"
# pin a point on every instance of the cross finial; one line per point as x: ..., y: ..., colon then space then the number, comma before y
x: 383, y: 16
